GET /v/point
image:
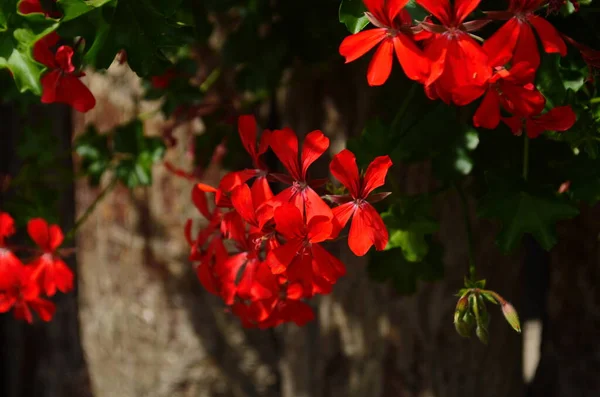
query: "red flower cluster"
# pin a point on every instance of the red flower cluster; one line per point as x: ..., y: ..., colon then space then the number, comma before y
x: 61, y: 82
x: 262, y: 252
x: 21, y: 286
x: 454, y: 67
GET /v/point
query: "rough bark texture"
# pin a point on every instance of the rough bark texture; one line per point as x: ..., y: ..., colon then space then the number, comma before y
x: 150, y: 330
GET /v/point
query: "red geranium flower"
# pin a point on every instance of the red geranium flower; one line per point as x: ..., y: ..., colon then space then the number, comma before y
x: 61, y: 82
x: 22, y: 295
x: 393, y: 33
x: 35, y: 6
x: 8, y: 260
x: 517, y: 36
x: 512, y: 90
x: 457, y: 59
x: 248, y: 132
x: 558, y: 119
x: 286, y: 306
x: 367, y: 228
x: 285, y: 146
x: 49, y: 270
x: 301, y: 258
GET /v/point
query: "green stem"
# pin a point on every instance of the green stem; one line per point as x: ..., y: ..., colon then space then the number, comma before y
x: 404, y: 106
x: 91, y: 208
x: 525, y: 156
x: 467, y: 220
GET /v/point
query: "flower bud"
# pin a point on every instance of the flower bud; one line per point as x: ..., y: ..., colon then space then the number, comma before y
x: 464, y: 325
x: 510, y: 314
x: 482, y: 334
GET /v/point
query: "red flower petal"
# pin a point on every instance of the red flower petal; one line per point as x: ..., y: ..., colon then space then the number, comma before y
x: 285, y: 146
x: 549, y: 36
x: 289, y: 221
x: 381, y: 64
x: 319, y: 229
x: 248, y: 134
x: 501, y: 45
x: 39, y: 231
x: 7, y: 226
x: 342, y: 214
x: 415, y: 64
x: 439, y: 8
x: 357, y: 45
x: 436, y: 52
x: 315, y: 144
x: 488, y: 112
x: 200, y: 201
x: 462, y: 9
x: 343, y: 167
x: 64, y: 58
x: 526, y: 49
x: 326, y: 265
x: 558, y: 119
x: 42, y: 50
x: 61, y: 88
x: 375, y: 175
x: 44, y: 308
x: 394, y: 7
x: 367, y: 229
x: 241, y: 199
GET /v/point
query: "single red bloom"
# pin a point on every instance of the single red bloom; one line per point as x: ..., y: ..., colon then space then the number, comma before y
x: 457, y: 59
x: 61, y: 82
x: 252, y: 208
x: 558, y: 119
x: 285, y: 146
x: 301, y: 259
x: 22, y: 295
x: 49, y: 270
x: 35, y: 7
x: 248, y: 132
x: 367, y: 228
x: 8, y: 260
x: 215, y: 253
x: 7, y: 227
x: 284, y: 307
x: 516, y: 38
x: 512, y: 90
x: 393, y: 34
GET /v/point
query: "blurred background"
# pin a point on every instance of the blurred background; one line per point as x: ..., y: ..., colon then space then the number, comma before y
x: 140, y: 325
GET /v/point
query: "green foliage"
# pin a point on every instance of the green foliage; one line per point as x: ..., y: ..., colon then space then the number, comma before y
x: 137, y: 154
x: 129, y: 154
x: 352, y: 14
x: 17, y: 36
x: 524, y: 209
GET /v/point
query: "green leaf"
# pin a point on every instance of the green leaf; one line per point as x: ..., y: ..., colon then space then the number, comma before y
x: 138, y: 153
x: 409, y: 223
x: 75, y: 8
x: 522, y: 210
x: 140, y: 28
x: 549, y: 80
x: 95, y: 154
x: 352, y: 14
x: 417, y: 12
x: 17, y: 36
